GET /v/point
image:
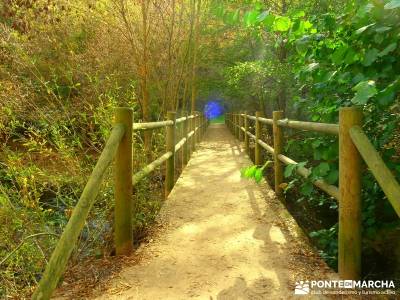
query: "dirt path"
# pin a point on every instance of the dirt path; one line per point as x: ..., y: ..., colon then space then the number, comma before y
x: 223, y: 237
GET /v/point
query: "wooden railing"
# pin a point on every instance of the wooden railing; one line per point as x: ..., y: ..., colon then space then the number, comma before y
x: 119, y: 147
x: 353, y: 146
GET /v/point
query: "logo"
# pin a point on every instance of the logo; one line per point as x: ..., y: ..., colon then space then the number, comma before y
x: 345, y: 287
x: 302, y: 288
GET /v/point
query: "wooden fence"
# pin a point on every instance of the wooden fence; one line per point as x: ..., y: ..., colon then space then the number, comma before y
x: 119, y: 147
x: 353, y: 147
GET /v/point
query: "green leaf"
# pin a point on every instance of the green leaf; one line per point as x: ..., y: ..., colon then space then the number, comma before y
x: 386, y: 96
x: 392, y: 4
x: 282, y: 24
x: 261, y: 17
x: 338, y: 55
x: 299, y: 14
x: 302, y: 44
x: 321, y: 170
x: 311, y: 67
x: 269, y: 21
x: 382, y: 29
x: 370, y: 56
x: 332, y: 177
x: 258, y: 175
x: 364, y: 91
x: 307, y: 188
x: 388, y: 49
x: 289, y: 170
x: 350, y: 57
x: 250, y: 171
x: 362, y: 29
x: 250, y: 18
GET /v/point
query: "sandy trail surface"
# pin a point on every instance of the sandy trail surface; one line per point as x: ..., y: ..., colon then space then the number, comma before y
x: 222, y: 237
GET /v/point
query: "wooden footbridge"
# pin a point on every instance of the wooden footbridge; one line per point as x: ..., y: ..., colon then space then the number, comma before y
x: 227, y: 236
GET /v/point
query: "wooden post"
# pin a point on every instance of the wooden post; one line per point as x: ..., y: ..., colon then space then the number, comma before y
x: 123, y: 234
x: 193, y: 127
x: 278, y: 147
x: 76, y: 222
x: 257, y: 156
x: 246, y: 137
x: 350, y: 196
x: 198, y: 126
x: 240, y: 127
x: 185, y: 152
x: 170, y: 147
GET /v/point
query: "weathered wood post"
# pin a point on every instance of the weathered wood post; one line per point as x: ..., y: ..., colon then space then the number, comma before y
x: 240, y: 127
x: 198, y: 127
x: 123, y: 233
x: 350, y: 196
x: 170, y: 147
x: 193, y: 127
x: 185, y: 152
x: 257, y: 155
x: 278, y: 147
x: 246, y: 137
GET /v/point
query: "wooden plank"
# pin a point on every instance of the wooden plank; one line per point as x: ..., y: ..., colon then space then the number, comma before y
x: 67, y: 241
x: 123, y: 238
x: 310, y: 126
x: 377, y: 166
x: 350, y: 196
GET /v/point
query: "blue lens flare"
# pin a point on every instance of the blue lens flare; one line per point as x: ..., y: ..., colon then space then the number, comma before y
x: 213, y: 109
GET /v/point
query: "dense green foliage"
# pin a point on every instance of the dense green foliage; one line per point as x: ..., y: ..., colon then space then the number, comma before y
x: 64, y: 66
x: 310, y: 59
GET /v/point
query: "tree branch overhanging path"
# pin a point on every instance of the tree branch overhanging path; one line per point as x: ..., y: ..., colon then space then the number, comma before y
x: 221, y: 236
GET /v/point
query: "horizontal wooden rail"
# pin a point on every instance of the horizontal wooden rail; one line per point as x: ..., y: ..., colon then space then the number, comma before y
x: 180, y: 144
x: 69, y: 237
x: 118, y: 146
x: 266, y: 121
x: 321, y: 184
x: 310, y: 126
x: 152, y: 125
x: 180, y: 120
x: 353, y: 146
x: 377, y: 166
x: 150, y: 168
x: 304, y: 172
